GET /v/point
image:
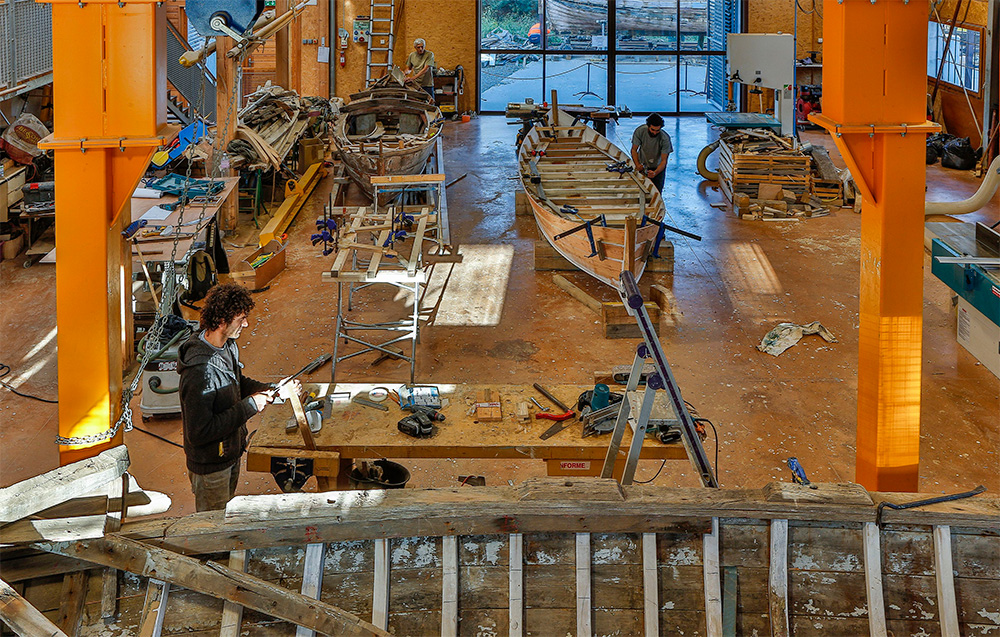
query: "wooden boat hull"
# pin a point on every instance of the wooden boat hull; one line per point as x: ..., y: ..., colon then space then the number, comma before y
x: 389, y: 107
x: 632, y: 15
x: 548, y: 557
x: 572, y: 172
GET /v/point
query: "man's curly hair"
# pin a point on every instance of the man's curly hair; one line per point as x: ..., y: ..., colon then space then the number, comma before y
x: 223, y: 304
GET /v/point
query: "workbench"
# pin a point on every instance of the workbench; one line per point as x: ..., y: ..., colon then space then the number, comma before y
x: 352, y: 431
x: 156, y: 247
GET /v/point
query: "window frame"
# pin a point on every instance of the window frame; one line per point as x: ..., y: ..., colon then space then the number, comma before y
x: 943, y: 35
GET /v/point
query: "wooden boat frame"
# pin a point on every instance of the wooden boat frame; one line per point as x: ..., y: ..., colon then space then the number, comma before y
x: 388, y: 98
x: 572, y: 172
x: 551, y: 556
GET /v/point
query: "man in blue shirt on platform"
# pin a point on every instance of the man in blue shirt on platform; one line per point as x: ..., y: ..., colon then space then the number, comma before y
x: 650, y: 149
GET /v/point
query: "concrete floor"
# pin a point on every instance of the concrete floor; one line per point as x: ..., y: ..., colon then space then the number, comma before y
x: 732, y: 287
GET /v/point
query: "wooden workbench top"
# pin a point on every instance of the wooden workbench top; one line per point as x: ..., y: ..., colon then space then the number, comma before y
x: 357, y: 431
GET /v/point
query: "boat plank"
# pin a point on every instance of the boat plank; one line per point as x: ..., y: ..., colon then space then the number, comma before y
x: 22, y: 617
x: 778, y: 588
x: 584, y: 610
x: 515, y: 626
x: 944, y: 574
x: 650, y: 588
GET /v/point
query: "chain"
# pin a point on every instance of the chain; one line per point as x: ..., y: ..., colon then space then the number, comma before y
x: 169, y: 288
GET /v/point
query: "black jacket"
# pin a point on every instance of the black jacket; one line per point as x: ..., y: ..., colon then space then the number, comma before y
x: 215, y: 404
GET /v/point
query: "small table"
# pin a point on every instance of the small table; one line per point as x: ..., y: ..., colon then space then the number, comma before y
x: 351, y: 431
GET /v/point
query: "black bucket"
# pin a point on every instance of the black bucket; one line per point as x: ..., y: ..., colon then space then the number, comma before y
x: 394, y: 476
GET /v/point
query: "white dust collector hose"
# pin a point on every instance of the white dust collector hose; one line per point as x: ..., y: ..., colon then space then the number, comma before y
x: 986, y: 191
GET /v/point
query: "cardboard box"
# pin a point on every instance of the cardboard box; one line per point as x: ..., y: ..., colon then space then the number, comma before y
x: 257, y: 278
x: 311, y: 151
x: 11, y: 247
x: 979, y: 335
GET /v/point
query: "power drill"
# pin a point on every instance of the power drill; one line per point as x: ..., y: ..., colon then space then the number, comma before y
x: 420, y: 424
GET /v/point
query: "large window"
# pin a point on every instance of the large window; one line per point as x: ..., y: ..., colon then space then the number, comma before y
x: 962, y: 61
x: 650, y: 55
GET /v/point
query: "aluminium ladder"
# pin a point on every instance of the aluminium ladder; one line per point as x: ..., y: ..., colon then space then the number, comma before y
x: 661, y: 379
x: 382, y: 14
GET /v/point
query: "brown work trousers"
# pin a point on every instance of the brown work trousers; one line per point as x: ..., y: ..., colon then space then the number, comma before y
x: 213, y: 491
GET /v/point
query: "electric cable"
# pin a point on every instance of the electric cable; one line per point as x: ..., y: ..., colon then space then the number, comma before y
x: 150, y: 433
x: 6, y: 370
x: 663, y: 464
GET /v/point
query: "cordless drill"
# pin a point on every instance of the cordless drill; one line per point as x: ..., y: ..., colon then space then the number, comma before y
x: 420, y: 424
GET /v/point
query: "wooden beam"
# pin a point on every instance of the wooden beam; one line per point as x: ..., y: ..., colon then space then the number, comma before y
x: 873, y: 580
x: 72, y: 601
x: 945, y: 576
x: 59, y: 485
x: 227, y: 106
x: 650, y: 586
x: 154, y: 608
x: 515, y: 626
x: 713, y: 582
x: 777, y: 592
x: 117, y: 490
x: 23, y: 618
x: 312, y: 579
x: 380, y: 594
x: 232, y: 613
x: 449, y: 586
x: 216, y: 580
x: 563, y: 284
x: 584, y: 605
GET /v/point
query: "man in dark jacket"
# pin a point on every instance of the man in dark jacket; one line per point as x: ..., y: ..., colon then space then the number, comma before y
x: 217, y: 399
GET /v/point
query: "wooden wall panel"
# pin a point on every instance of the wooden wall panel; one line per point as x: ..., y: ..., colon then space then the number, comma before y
x: 449, y: 27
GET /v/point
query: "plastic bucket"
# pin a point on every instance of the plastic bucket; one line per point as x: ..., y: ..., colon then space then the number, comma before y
x: 466, y: 119
x: 394, y: 476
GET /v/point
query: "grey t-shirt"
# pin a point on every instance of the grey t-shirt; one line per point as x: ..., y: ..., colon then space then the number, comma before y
x: 651, y: 147
x: 417, y: 62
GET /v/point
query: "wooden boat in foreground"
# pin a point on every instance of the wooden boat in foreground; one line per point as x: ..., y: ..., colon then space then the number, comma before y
x: 592, y: 216
x: 388, y: 129
x: 553, y: 556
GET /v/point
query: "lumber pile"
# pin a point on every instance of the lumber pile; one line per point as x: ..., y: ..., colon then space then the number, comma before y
x: 271, y: 123
x: 766, y: 176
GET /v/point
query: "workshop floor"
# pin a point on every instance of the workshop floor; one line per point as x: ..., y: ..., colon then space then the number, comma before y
x: 742, y: 279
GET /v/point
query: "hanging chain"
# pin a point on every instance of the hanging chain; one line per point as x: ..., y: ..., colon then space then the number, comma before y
x: 168, y: 282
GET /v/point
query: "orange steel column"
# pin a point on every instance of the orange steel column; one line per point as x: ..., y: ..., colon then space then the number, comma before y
x: 109, y: 83
x: 874, y: 83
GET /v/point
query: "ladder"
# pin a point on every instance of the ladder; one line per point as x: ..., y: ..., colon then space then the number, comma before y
x: 660, y: 380
x: 382, y: 14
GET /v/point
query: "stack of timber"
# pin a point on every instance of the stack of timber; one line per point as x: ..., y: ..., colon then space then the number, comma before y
x: 766, y: 176
x: 389, y: 129
x: 549, y: 557
x: 270, y: 125
x: 602, y: 220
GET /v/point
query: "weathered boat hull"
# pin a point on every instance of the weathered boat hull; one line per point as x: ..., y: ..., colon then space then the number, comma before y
x: 549, y: 557
x: 413, y: 122
x: 632, y: 15
x: 572, y: 172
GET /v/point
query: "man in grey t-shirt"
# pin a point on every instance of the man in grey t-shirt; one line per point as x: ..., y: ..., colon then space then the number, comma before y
x: 650, y: 148
x: 420, y: 65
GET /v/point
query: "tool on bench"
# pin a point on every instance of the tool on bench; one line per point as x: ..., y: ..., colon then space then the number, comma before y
x: 599, y: 409
x: 561, y: 420
x: 537, y: 404
x: 420, y: 424
x: 134, y: 227
x: 369, y: 403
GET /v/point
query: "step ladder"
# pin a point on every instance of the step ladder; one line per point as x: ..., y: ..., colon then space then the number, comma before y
x: 382, y: 14
x: 659, y: 383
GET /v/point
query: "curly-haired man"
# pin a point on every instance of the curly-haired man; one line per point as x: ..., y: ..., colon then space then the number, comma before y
x: 217, y: 399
